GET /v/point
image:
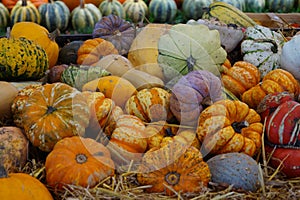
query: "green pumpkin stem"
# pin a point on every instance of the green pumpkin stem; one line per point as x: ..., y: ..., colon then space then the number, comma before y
x: 54, y: 34
x: 3, y: 172
x: 238, y: 126
x: 24, y: 3
x: 82, y: 4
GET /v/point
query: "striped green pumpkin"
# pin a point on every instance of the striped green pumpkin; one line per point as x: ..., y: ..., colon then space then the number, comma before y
x: 22, y: 60
x: 240, y: 4
x: 113, y: 7
x: 280, y: 5
x: 136, y: 10
x: 163, y: 10
x: 193, y: 9
x: 24, y: 11
x: 256, y: 6
x: 84, y: 17
x: 4, y: 17
x: 54, y: 15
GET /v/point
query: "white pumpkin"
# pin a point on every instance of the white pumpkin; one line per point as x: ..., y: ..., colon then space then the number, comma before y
x: 262, y: 48
x: 290, y: 56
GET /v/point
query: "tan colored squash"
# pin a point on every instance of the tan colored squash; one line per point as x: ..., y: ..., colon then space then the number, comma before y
x: 8, y: 93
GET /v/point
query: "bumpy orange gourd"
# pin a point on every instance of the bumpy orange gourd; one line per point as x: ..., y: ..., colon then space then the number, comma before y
x: 277, y: 80
x: 53, y: 112
x: 176, y: 166
x: 40, y: 35
x: 78, y: 161
x: 240, y: 77
x: 21, y: 186
x: 150, y: 104
x: 92, y: 50
x: 229, y: 126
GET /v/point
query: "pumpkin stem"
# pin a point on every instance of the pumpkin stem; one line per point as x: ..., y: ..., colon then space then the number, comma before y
x: 24, y: 3
x: 3, y: 172
x: 274, y: 48
x: 172, y: 178
x: 54, y: 34
x: 82, y: 4
x: 81, y: 158
x: 238, y: 126
x: 50, y: 110
x: 190, y: 63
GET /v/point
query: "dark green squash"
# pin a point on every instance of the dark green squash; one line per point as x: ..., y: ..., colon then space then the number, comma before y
x: 68, y: 53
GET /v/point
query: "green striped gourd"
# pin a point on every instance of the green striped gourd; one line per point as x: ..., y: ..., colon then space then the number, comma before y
x: 256, y: 6
x: 4, y: 17
x: 135, y: 10
x: 77, y: 76
x: 22, y: 60
x: 84, y: 17
x: 240, y: 4
x: 54, y: 15
x: 193, y: 9
x: 163, y: 10
x: 280, y: 5
x: 24, y: 11
x: 113, y: 7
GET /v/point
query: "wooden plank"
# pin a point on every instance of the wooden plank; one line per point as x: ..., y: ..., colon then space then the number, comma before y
x: 276, y: 20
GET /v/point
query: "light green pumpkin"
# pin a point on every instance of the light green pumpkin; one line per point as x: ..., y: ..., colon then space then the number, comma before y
x: 193, y: 9
x: 163, y: 11
x: 24, y: 11
x: 281, y: 5
x: 113, y: 7
x: 4, y: 17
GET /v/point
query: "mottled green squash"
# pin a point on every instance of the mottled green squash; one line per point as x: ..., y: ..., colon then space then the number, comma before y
x: 22, y: 59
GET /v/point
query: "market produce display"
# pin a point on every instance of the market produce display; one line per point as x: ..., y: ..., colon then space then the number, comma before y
x: 149, y: 99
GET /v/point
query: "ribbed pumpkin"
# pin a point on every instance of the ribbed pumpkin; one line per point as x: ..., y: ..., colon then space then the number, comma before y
x: 78, y: 161
x: 54, y: 15
x: 41, y: 36
x: 14, y: 148
x: 150, y: 104
x: 24, y: 11
x: 240, y: 77
x: 256, y: 6
x: 4, y: 17
x: 277, y: 80
x: 117, y: 31
x: 113, y: 7
x: 22, y: 59
x: 174, y: 166
x: 163, y: 11
x: 192, y: 93
x: 21, y: 186
x: 84, y: 17
x: 52, y: 112
x: 11, y: 3
x: 280, y: 5
x: 135, y: 10
x: 193, y: 9
x: 92, y: 50
x: 229, y: 126
x: 262, y: 47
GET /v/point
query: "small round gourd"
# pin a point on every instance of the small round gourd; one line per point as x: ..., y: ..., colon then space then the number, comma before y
x: 54, y: 15
x: 84, y: 17
x: 236, y: 169
x: 193, y: 9
x: 24, y: 11
x: 136, y: 10
x: 68, y: 53
x: 163, y: 11
x: 113, y: 7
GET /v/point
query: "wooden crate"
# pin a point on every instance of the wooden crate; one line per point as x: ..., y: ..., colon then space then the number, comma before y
x: 277, y: 20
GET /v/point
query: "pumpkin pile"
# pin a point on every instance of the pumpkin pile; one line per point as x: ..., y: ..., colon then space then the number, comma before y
x: 164, y: 109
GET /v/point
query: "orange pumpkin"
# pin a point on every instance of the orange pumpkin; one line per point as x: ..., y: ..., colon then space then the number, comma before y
x: 52, y: 112
x: 92, y: 50
x: 21, y: 186
x: 74, y: 3
x: 173, y: 166
x: 229, y: 126
x: 11, y: 3
x: 240, y: 77
x: 277, y: 80
x: 78, y: 161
